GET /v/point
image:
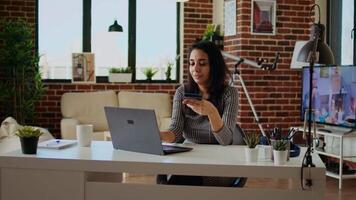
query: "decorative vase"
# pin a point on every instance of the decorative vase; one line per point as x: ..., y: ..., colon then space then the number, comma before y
x: 251, y: 154
x: 29, y: 145
x: 280, y: 157
x: 120, y: 77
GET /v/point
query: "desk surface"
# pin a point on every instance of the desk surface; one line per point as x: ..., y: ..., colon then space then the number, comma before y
x: 70, y: 168
x: 202, y: 160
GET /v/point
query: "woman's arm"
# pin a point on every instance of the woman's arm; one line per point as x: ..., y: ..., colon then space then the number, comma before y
x: 225, y: 134
x: 175, y: 130
x: 204, y: 107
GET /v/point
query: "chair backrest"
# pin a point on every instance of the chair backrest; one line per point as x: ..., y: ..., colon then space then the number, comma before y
x: 159, y: 102
x: 238, y: 136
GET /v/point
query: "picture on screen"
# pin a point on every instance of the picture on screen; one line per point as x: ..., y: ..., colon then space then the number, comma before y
x: 333, y: 95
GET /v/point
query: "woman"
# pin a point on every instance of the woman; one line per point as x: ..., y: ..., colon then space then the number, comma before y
x: 211, y: 120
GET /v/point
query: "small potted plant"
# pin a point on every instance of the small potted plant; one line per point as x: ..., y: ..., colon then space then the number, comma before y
x: 251, y: 152
x: 280, y: 152
x: 168, y: 71
x: 29, y: 139
x: 120, y: 74
x: 212, y: 33
x: 149, y: 73
x: 209, y: 32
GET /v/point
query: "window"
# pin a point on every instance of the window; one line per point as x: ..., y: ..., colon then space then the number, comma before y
x: 156, y: 37
x: 59, y: 36
x: 150, y: 42
x: 341, y: 22
x: 347, y: 48
x: 110, y: 48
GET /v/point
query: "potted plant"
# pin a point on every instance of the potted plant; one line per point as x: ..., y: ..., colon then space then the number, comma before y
x: 21, y: 85
x: 168, y: 71
x: 29, y: 139
x: 149, y: 73
x: 251, y: 152
x: 120, y: 74
x: 212, y: 33
x: 209, y: 32
x: 280, y: 152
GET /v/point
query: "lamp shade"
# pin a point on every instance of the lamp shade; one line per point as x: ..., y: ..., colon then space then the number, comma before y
x: 324, y: 55
x: 115, y: 27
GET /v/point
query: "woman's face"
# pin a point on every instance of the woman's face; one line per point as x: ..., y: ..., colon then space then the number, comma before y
x: 199, y: 67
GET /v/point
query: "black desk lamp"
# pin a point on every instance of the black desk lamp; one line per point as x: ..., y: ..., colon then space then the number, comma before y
x: 316, y: 51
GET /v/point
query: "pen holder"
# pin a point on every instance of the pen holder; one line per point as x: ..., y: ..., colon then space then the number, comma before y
x: 265, y: 152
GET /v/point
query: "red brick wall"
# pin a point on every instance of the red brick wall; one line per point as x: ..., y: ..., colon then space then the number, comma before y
x: 24, y: 9
x: 276, y: 94
x: 197, y: 14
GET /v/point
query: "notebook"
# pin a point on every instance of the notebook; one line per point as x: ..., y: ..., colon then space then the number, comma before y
x: 56, y: 144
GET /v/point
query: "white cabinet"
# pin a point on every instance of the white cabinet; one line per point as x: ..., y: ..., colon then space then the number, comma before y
x: 31, y: 184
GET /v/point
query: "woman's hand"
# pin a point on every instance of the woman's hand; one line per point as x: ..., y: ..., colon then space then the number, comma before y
x: 202, y: 107
x: 167, y: 136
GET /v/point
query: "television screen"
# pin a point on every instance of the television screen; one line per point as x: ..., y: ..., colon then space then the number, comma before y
x: 333, y: 95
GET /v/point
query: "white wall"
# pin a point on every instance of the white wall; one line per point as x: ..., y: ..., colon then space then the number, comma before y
x: 323, y: 11
x: 218, y: 14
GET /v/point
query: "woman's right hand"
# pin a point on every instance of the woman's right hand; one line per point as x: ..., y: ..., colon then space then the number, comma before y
x: 167, y: 136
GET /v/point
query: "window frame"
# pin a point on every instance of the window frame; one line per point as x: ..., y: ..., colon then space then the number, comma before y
x: 86, y: 40
x: 333, y: 29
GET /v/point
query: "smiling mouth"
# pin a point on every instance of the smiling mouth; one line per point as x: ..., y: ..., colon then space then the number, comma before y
x: 196, y: 77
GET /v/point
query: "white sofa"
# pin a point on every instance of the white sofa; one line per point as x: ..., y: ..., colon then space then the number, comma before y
x: 88, y: 108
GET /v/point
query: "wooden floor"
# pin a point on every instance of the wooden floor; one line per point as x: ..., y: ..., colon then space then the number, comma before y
x: 332, y: 192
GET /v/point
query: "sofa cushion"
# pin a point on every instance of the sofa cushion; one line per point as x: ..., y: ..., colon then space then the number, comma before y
x: 88, y: 107
x: 159, y: 102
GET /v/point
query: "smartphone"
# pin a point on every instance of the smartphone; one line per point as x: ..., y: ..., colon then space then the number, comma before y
x: 192, y: 96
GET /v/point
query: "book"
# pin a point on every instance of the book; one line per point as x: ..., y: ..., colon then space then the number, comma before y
x: 56, y: 144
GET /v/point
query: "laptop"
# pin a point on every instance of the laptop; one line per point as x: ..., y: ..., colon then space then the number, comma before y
x: 136, y: 130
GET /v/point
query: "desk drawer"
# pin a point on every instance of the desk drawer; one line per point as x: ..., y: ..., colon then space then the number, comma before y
x: 114, y: 191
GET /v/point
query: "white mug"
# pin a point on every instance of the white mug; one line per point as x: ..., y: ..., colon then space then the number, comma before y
x: 84, y: 134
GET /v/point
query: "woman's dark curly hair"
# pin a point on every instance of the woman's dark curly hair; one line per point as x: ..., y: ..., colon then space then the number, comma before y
x: 218, y: 76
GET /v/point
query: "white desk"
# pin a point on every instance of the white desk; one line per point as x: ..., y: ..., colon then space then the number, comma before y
x: 66, y: 174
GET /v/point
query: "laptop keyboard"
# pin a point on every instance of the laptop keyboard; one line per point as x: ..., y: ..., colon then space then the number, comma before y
x: 167, y: 149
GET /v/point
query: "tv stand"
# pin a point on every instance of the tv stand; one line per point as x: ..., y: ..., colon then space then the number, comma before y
x: 340, y: 134
x: 335, y: 129
x: 324, y: 130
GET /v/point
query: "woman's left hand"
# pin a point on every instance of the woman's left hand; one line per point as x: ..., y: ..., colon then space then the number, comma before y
x: 202, y: 107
